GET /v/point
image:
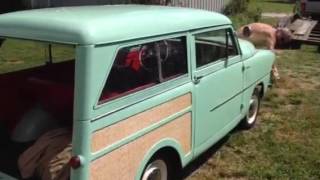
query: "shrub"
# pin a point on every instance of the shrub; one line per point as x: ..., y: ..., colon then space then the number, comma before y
x: 236, y: 7
x: 242, y: 13
x: 254, y: 14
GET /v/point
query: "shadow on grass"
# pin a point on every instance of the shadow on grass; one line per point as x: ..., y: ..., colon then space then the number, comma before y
x: 279, y: 1
x: 205, y: 156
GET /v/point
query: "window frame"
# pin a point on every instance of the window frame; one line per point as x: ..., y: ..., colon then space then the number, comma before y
x: 229, y: 34
x: 148, y: 92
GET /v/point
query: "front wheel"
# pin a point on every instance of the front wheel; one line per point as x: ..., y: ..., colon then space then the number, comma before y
x: 252, y: 114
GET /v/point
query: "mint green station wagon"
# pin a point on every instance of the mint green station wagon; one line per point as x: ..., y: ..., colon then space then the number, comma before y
x: 141, y: 90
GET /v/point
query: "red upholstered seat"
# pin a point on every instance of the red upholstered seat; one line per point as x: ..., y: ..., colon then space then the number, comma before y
x: 132, y: 60
x: 55, y: 97
x: 11, y: 108
x: 107, y: 95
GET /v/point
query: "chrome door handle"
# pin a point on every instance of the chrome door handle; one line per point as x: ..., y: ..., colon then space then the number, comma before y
x: 245, y: 67
x: 196, y: 79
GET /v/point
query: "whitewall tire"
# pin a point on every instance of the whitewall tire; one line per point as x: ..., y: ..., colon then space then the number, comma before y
x: 254, y: 105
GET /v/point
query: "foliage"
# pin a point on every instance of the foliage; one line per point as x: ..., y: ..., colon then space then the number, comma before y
x: 242, y: 12
x: 254, y: 14
x: 236, y: 7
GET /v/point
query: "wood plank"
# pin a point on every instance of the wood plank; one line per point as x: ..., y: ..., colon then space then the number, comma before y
x: 295, y: 25
x: 314, y: 39
x: 314, y: 35
x: 303, y: 28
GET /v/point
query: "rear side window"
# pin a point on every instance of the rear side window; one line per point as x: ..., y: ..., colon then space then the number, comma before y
x: 213, y: 46
x: 145, y: 65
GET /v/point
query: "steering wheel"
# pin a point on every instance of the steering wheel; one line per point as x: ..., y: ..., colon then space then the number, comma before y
x: 150, y: 53
x: 163, y: 50
x: 146, y: 55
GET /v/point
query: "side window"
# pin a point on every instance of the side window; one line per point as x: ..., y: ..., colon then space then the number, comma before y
x: 145, y: 65
x: 213, y: 46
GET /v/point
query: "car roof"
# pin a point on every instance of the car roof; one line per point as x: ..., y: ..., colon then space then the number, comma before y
x: 104, y: 24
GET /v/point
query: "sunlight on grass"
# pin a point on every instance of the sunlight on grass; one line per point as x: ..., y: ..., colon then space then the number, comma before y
x: 22, y: 54
x: 265, y: 6
x: 285, y: 142
x: 16, y: 55
x: 275, y: 6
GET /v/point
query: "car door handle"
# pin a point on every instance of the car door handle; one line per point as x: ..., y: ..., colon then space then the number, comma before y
x: 197, y: 79
x: 245, y: 67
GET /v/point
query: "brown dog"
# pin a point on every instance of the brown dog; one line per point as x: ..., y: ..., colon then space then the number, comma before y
x: 264, y: 35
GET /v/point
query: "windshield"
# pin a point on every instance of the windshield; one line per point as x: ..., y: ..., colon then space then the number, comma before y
x: 17, y: 54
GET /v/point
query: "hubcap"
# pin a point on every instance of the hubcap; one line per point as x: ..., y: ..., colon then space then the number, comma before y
x: 157, y: 170
x: 253, y: 109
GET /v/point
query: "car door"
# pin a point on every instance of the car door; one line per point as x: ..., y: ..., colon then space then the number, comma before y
x: 218, y: 83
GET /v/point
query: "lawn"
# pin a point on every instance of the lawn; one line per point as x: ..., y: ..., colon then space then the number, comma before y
x: 275, y: 6
x: 285, y: 142
x: 23, y: 54
x: 264, y: 6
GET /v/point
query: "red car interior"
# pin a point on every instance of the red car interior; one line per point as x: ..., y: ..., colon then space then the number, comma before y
x: 51, y: 86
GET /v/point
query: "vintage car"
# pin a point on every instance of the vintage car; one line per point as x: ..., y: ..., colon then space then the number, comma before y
x: 141, y: 90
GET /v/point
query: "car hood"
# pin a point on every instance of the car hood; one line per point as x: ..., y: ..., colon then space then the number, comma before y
x: 247, y: 49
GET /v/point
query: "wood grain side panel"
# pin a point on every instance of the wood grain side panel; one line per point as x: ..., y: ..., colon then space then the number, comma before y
x: 123, y: 163
x: 111, y: 134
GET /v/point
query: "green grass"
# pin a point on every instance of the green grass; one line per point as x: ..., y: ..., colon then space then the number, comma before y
x: 286, y: 140
x: 271, y: 6
x: 21, y: 54
x: 275, y: 6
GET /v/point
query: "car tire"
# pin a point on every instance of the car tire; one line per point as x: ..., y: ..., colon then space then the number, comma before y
x: 254, y: 105
x: 156, y: 169
x: 159, y: 168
